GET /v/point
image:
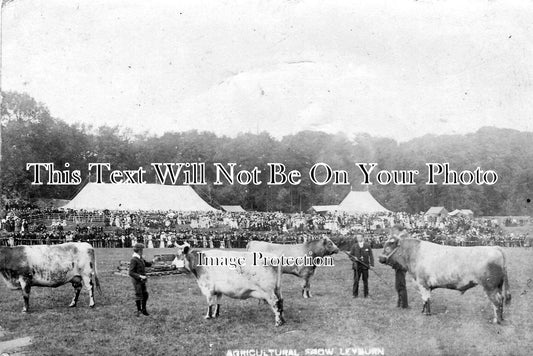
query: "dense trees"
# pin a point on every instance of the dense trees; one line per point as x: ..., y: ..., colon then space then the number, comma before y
x: 30, y: 134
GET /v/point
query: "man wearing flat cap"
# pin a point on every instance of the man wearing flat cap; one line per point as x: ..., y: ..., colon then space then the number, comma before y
x: 138, y: 276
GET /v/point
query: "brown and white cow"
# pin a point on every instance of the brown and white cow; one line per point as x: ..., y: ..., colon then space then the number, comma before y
x: 314, y: 248
x: 234, y: 274
x: 461, y: 268
x: 22, y: 267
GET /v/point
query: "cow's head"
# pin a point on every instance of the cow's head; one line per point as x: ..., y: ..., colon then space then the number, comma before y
x: 390, y: 249
x: 390, y: 253
x: 323, y: 247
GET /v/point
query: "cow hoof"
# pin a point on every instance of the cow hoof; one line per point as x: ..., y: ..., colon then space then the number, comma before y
x: 25, y: 311
x: 280, y: 322
x: 208, y: 317
x: 72, y: 305
x: 91, y: 306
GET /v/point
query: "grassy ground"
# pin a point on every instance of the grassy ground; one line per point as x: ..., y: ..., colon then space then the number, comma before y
x: 332, y: 319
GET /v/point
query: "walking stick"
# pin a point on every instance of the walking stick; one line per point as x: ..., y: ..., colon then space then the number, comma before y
x: 355, y: 259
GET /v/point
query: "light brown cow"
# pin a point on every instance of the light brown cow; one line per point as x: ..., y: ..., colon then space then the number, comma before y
x: 315, y: 248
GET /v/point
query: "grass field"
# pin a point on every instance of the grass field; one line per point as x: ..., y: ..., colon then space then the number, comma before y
x: 332, y: 319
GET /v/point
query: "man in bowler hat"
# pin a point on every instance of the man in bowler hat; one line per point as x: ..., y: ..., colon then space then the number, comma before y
x: 138, y: 277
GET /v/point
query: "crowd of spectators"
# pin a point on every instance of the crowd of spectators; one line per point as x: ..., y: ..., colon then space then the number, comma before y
x: 230, y: 229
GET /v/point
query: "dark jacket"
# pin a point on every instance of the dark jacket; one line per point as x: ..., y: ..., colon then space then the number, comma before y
x: 137, y: 268
x: 362, y: 254
x: 398, y: 267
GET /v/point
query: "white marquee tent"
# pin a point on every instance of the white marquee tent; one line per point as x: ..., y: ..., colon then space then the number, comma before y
x: 146, y: 197
x: 361, y: 202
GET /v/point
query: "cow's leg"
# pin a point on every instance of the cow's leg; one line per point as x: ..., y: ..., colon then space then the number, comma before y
x: 306, y: 288
x: 77, y: 284
x: 501, y: 299
x: 25, y: 283
x: 426, y: 295
x: 276, y: 304
x: 88, y: 281
x: 208, y: 315
x: 493, y: 284
x: 217, y: 307
x: 280, y: 320
x: 497, y: 304
x: 209, y: 293
x: 211, y: 300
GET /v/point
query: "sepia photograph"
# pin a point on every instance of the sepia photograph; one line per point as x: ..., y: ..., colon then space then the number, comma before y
x: 266, y: 177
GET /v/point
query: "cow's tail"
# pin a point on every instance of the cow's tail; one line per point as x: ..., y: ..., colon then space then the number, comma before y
x: 505, y: 286
x: 505, y: 290
x: 95, y: 273
x: 278, y: 279
x: 97, y: 281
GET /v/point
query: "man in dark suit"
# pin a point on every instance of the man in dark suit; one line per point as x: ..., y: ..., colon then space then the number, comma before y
x: 401, y: 287
x: 399, y: 232
x: 138, y: 277
x: 363, y: 259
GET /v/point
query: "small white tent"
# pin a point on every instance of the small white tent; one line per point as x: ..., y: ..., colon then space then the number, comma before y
x: 361, y: 202
x: 462, y: 212
x: 437, y: 211
x: 324, y: 208
x: 233, y: 208
x: 148, y: 197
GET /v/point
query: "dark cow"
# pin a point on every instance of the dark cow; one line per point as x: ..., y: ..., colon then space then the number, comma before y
x: 461, y: 268
x: 219, y: 273
x: 315, y: 248
x: 22, y: 267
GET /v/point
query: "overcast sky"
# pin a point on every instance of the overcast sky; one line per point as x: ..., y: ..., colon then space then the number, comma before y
x: 390, y: 68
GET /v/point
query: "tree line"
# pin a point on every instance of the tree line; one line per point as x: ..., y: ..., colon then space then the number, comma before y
x: 31, y: 134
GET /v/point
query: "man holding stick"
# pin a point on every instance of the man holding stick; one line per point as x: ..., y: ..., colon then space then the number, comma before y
x: 363, y: 259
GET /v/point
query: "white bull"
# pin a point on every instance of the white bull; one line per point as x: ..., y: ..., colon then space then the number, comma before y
x: 461, y: 268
